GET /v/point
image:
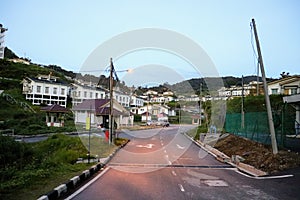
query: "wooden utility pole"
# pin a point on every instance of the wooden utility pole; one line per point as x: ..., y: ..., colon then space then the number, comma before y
x: 111, y: 82
x: 268, y: 104
x: 200, y: 122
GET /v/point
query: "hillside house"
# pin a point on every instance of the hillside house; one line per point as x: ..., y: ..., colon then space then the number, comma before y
x: 55, y: 115
x: 79, y: 92
x: 287, y: 86
x: 153, y: 112
x: 45, y: 90
x: 99, y: 110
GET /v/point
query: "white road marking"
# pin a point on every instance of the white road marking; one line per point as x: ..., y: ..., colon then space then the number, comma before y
x: 262, y: 177
x: 174, y: 173
x: 170, y: 163
x: 149, y: 146
x: 181, y: 188
x: 87, y: 185
x: 180, y: 147
x: 165, y: 151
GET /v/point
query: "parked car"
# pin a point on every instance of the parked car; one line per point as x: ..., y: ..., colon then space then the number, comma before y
x: 149, y: 123
x: 163, y: 123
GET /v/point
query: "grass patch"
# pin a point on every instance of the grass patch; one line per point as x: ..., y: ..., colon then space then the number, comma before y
x: 196, y: 132
x: 30, y: 170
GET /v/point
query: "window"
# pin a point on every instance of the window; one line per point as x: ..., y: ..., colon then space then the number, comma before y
x: 293, y: 91
x: 96, y: 95
x: 46, y: 90
x: 274, y: 91
x: 78, y: 94
x: 85, y: 94
x: 102, y: 96
x: 91, y: 94
x: 38, y: 89
x: 55, y: 90
x: 62, y: 91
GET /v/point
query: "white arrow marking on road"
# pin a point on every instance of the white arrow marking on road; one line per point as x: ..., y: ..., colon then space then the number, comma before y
x: 180, y: 147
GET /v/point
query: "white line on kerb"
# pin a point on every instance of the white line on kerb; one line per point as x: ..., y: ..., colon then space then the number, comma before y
x: 87, y: 185
x: 181, y: 188
x: 263, y: 177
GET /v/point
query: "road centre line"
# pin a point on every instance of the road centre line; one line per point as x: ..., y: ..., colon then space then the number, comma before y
x: 87, y: 184
x: 181, y: 188
x: 174, y: 173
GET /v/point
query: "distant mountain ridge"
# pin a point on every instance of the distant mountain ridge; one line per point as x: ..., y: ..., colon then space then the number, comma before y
x: 186, y: 86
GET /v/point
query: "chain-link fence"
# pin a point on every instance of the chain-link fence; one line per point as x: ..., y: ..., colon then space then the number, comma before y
x: 254, y: 125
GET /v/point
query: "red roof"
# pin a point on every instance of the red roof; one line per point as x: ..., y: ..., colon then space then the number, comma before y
x: 55, y: 108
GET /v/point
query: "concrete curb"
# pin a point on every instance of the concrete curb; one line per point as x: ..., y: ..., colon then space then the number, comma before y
x: 71, y: 183
x: 77, y: 181
x: 248, y: 169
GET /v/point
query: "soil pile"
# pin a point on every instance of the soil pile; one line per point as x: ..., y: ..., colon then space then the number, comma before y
x: 258, y: 155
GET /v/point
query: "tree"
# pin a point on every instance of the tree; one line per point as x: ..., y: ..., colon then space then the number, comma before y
x: 9, y: 54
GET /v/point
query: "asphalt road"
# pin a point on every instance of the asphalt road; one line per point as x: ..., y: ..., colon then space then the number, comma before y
x: 164, y: 164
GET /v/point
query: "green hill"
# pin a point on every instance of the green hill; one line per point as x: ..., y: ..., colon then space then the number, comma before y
x: 12, y: 114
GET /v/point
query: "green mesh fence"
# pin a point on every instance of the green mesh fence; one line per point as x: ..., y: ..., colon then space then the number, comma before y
x: 256, y: 126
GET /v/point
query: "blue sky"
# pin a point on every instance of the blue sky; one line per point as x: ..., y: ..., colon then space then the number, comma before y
x: 66, y: 32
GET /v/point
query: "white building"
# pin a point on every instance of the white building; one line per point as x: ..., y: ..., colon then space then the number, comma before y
x: 237, y: 91
x: 2, y: 47
x: 288, y: 86
x: 99, y: 110
x: 79, y: 92
x: 47, y: 90
x: 122, y: 98
x: 136, y: 101
x: 150, y: 92
x: 154, y: 111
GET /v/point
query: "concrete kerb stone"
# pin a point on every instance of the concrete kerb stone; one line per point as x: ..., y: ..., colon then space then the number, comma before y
x: 226, y: 159
x: 57, y: 192
x: 61, y: 189
x: 44, y: 197
x: 75, y: 180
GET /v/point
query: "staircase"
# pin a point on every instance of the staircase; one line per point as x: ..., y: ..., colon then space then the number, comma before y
x: 12, y: 100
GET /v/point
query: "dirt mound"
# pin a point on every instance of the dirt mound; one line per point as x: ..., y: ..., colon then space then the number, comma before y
x: 258, y: 155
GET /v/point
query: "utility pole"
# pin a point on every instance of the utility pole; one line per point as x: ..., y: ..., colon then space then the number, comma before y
x: 200, y: 122
x: 242, y: 109
x: 111, y: 102
x: 268, y: 104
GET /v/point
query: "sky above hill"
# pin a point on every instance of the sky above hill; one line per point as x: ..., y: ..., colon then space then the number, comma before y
x: 178, y: 39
